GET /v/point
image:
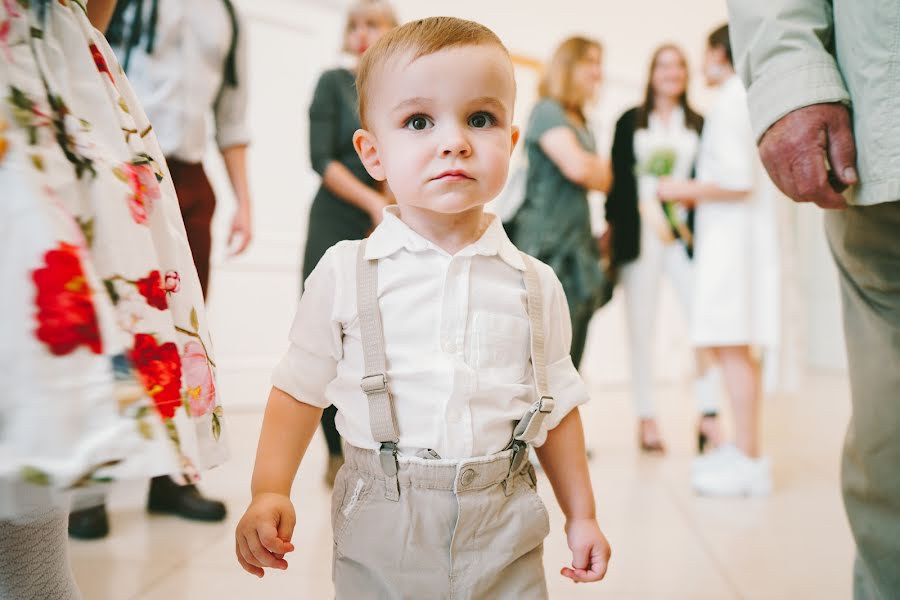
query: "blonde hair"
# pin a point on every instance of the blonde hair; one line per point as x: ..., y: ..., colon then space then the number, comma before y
x: 419, y: 38
x: 380, y: 8
x: 556, y: 81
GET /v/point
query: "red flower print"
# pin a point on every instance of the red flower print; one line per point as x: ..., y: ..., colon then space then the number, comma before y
x: 144, y: 190
x: 66, y: 316
x: 4, y: 40
x: 151, y: 288
x: 100, y: 61
x: 11, y: 10
x: 159, y: 369
x: 4, y: 143
x: 198, y: 380
x: 173, y: 282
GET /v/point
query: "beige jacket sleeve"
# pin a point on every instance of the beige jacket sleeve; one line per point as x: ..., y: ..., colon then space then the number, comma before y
x: 783, y: 52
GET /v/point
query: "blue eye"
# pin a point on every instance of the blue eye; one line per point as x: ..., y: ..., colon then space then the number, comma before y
x: 481, y: 120
x: 418, y: 123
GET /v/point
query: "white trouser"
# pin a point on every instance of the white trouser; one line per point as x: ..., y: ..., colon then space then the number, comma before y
x: 640, y: 279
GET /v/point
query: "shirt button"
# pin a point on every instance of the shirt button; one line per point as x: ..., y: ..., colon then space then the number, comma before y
x: 467, y: 478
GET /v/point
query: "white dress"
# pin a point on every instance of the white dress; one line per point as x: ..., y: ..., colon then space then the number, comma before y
x: 736, y: 254
x: 106, y: 366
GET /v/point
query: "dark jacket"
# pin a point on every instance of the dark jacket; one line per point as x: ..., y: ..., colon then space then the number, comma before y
x: 622, y: 201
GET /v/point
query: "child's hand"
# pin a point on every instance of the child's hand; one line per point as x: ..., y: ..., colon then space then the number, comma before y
x: 590, y: 551
x: 264, y: 533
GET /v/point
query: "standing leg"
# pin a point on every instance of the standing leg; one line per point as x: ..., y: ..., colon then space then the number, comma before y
x: 198, y: 203
x: 743, y: 382
x: 864, y: 243
x: 737, y: 470
x: 640, y: 281
x: 708, y: 378
x: 34, y: 558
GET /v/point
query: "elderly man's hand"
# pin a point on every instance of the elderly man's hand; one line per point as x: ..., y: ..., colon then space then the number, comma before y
x: 798, y: 149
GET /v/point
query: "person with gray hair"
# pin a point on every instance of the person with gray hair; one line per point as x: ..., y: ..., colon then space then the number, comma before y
x: 823, y: 79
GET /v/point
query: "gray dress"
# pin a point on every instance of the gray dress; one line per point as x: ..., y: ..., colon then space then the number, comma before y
x: 554, y: 222
x: 333, y: 119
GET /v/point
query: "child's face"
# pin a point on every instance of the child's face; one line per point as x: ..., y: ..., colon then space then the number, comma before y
x: 440, y: 128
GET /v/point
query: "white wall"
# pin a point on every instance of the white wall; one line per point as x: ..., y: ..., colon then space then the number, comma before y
x: 253, y: 297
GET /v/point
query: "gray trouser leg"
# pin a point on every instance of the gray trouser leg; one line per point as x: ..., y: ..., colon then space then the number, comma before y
x: 866, y: 246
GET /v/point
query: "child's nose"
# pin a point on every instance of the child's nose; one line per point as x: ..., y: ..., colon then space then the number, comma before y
x: 455, y: 143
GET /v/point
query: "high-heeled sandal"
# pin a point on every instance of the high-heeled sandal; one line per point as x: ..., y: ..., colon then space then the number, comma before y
x: 653, y: 447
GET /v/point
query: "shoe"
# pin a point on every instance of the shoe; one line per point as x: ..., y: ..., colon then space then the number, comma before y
x: 709, y: 434
x: 335, y: 462
x: 648, y: 437
x: 729, y: 472
x: 89, y: 523
x: 723, y: 453
x: 167, y: 497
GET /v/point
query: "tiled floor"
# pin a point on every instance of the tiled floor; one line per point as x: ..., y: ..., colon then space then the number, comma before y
x: 667, y: 543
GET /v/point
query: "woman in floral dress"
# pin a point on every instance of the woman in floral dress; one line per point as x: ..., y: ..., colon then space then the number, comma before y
x: 106, y: 366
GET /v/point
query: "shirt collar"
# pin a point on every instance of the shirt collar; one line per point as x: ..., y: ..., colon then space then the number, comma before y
x: 393, y: 235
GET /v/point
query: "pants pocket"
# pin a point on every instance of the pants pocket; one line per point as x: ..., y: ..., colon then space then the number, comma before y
x: 355, y: 490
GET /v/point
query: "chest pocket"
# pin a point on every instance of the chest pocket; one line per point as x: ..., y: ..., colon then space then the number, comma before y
x: 499, y: 346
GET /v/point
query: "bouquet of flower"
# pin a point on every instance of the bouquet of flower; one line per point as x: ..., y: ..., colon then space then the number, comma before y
x: 661, y: 163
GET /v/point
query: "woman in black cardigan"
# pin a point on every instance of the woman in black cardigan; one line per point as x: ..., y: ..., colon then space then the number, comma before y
x: 658, y: 138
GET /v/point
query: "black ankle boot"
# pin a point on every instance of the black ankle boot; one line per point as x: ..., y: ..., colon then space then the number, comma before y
x: 89, y: 523
x: 168, y: 497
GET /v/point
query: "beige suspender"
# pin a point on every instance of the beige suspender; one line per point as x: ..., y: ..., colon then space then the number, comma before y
x: 383, y: 417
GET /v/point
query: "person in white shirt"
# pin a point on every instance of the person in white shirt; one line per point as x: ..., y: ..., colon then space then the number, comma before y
x: 659, y: 137
x: 444, y: 349
x: 736, y: 271
x: 187, y: 64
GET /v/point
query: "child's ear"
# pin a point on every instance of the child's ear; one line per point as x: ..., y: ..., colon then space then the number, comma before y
x: 367, y: 149
x: 515, y: 138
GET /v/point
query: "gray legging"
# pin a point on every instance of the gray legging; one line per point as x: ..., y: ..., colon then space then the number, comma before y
x: 34, y: 561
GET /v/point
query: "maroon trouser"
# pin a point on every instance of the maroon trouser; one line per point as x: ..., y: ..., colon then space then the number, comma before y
x: 197, y: 202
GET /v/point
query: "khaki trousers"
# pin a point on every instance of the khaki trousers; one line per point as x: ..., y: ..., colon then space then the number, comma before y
x: 457, y: 532
x: 865, y: 242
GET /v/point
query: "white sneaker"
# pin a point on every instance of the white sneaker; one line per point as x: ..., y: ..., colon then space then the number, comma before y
x: 723, y: 453
x: 733, y: 473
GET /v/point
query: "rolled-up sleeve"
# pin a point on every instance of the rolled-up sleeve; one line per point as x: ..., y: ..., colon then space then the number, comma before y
x: 565, y: 384
x: 230, y: 111
x: 323, y: 123
x: 316, y: 339
x: 783, y: 52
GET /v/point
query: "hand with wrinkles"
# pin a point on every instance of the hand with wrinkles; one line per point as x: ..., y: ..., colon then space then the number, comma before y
x: 798, y: 149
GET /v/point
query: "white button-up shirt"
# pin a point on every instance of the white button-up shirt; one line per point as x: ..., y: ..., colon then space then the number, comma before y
x: 457, y: 340
x: 181, y: 83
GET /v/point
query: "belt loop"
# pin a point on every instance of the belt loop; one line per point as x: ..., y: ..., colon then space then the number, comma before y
x: 391, y: 467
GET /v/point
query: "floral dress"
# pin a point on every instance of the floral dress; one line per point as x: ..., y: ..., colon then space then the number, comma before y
x: 106, y: 365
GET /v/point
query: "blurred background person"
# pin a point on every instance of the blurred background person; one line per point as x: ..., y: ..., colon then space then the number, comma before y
x: 104, y: 328
x: 805, y: 62
x: 735, y: 306
x: 658, y: 138
x: 187, y: 63
x: 553, y: 223
x: 349, y: 202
